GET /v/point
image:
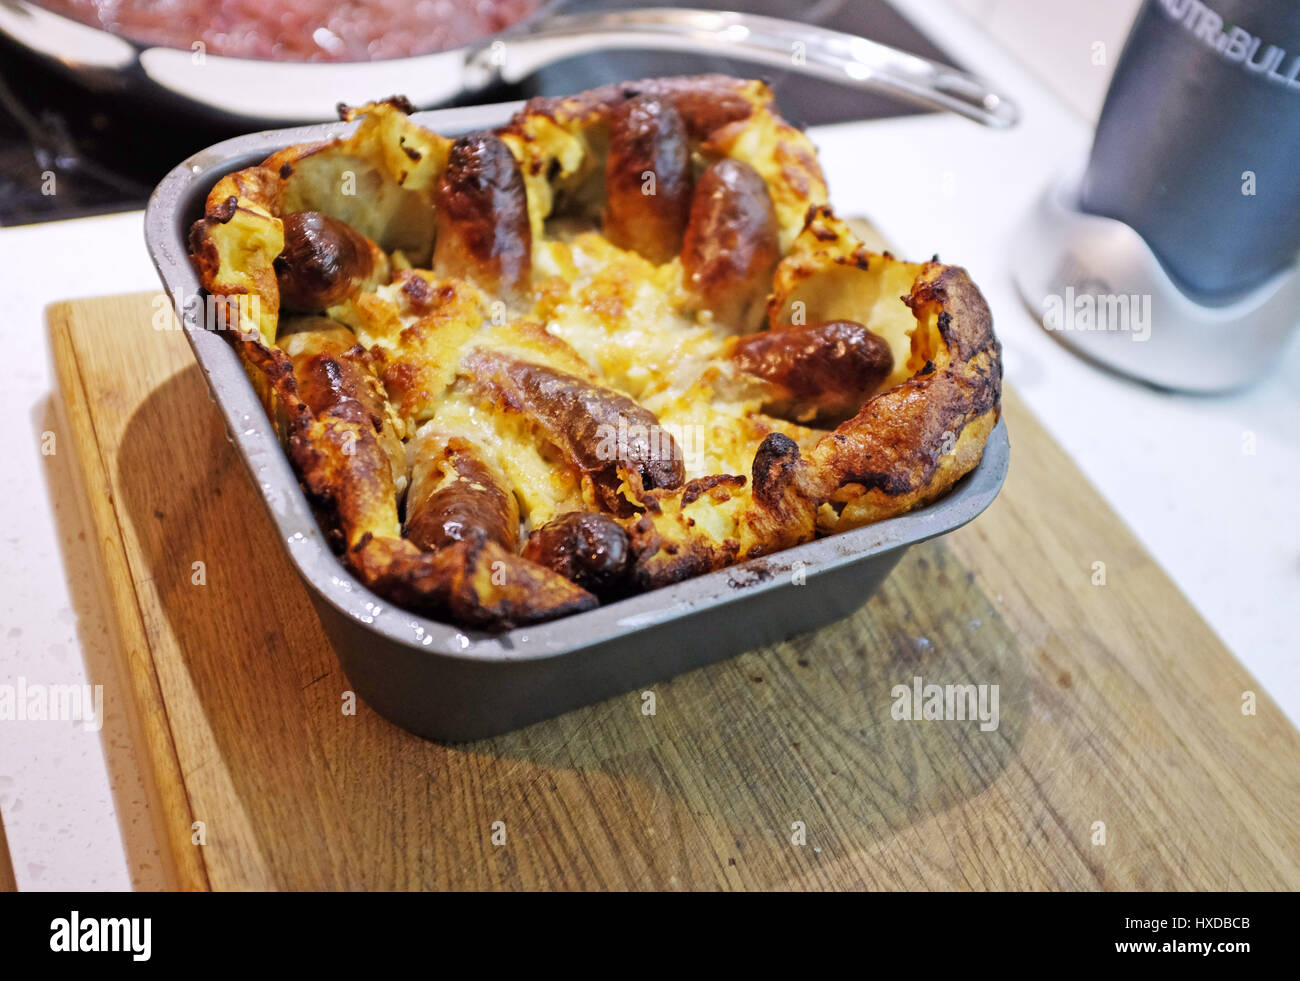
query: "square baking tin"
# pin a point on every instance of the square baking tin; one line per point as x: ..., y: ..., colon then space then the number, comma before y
x: 443, y: 682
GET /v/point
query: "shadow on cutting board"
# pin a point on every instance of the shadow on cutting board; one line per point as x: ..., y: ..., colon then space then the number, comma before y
x: 709, y: 791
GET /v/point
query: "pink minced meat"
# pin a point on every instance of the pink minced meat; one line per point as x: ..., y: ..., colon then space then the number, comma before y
x: 301, y: 30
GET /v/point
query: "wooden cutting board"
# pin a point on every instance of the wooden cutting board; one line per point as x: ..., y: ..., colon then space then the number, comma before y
x: 1122, y: 757
x: 7, y: 883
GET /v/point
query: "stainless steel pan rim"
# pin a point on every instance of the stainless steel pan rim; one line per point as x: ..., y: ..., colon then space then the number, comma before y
x: 178, y: 200
x: 240, y: 88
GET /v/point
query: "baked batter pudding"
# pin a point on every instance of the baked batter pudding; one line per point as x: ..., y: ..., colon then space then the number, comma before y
x: 619, y: 342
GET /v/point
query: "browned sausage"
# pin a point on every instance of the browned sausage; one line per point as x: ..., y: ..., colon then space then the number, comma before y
x: 596, y: 428
x: 323, y: 263
x: 706, y: 102
x: 335, y: 381
x: 456, y: 496
x: 350, y: 458
x: 647, y: 178
x: 821, y: 373
x: 732, y: 244
x: 587, y: 547
x: 481, y: 213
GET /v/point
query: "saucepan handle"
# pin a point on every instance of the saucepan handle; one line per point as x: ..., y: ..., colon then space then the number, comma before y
x: 833, y: 55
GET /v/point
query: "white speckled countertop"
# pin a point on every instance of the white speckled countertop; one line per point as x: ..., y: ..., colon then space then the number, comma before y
x: 71, y: 799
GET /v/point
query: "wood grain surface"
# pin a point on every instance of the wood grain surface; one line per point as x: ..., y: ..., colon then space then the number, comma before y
x: 7, y: 882
x: 1122, y: 758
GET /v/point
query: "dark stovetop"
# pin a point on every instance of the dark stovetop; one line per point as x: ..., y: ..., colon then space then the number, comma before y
x: 106, y: 153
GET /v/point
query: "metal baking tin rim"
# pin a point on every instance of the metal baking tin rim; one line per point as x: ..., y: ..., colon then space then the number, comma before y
x: 169, y: 210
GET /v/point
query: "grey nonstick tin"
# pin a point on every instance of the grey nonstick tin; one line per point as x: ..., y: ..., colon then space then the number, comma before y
x: 446, y: 683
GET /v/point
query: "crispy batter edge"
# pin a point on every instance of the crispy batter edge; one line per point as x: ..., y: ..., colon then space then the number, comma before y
x: 877, y: 468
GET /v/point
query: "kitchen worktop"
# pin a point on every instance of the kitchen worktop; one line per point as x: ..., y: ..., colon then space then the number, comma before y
x: 1177, y: 469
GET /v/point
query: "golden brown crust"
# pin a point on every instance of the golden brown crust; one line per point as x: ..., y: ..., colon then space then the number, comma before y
x: 905, y: 447
x: 475, y: 583
x: 908, y: 445
x: 334, y: 440
x: 502, y: 413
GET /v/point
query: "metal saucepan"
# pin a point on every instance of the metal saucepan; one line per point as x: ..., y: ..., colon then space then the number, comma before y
x: 284, y: 92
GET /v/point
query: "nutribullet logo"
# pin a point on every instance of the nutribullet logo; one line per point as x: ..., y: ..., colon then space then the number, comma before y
x: 1234, y: 43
